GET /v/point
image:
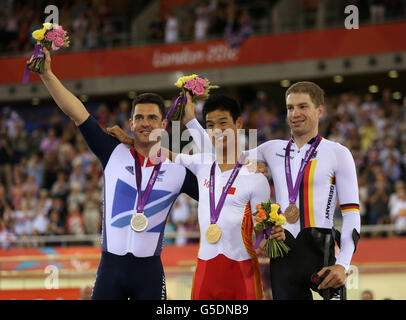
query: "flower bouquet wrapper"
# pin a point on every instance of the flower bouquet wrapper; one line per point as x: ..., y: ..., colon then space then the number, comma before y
x: 198, y: 87
x: 268, y: 215
x: 52, y: 37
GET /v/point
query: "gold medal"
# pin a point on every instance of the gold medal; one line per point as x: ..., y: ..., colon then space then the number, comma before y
x: 292, y: 213
x: 213, y: 233
x: 139, y: 222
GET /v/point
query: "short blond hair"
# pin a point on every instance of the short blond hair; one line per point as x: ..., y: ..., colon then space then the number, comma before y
x: 313, y: 90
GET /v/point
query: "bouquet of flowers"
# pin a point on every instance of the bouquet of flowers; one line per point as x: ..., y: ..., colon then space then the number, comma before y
x: 52, y: 37
x: 268, y: 215
x: 197, y: 86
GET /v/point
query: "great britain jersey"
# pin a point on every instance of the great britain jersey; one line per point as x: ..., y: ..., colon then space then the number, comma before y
x: 120, y: 194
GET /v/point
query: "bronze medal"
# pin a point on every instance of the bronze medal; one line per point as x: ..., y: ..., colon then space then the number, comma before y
x: 213, y: 233
x: 139, y: 222
x: 292, y: 213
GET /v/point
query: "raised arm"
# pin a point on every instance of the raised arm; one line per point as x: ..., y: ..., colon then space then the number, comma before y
x: 65, y: 100
x: 199, y: 135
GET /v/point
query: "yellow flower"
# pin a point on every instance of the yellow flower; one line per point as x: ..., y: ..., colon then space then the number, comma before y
x: 182, y: 80
x: 39, y: 34
x: 47, y: 25
x: 274, y: 212
x: 281, y: 220
x: 273, y: 216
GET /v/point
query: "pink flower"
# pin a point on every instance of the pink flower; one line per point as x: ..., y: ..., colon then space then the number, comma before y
x: 58, y: 42
x: 198, y: 90
x: 201, y: 81
x: 59, y: 31
x: 53, y: 47
x: 190, y: 84
x: 50, y: 36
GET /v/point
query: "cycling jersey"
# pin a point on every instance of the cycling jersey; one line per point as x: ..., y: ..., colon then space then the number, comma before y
x: 330, y: 176
x: 121, y: 245
x: 222, y: 265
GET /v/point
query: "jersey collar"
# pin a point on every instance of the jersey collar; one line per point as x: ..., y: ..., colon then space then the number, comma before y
x: 142, y: 158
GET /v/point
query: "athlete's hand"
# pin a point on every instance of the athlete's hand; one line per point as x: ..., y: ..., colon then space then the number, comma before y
x: 278, y: 233
x: 335, y: 279
x: 189, y: 109
x: 120, y: 135
x: 261, y: 248
x: 258, y: 167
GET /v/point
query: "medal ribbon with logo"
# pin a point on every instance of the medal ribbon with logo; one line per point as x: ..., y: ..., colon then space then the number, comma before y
x: 292, y: 212
x: 139, y: 222
x: 213, y: 232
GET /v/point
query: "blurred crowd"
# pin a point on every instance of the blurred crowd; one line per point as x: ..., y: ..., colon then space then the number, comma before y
x: 90, y: 23
x: 203, y: 20
x: 94, y: 24
x: 50, y: 183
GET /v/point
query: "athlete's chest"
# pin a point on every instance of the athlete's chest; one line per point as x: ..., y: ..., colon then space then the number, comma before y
x: 319, y: 167
x: 237, y: 193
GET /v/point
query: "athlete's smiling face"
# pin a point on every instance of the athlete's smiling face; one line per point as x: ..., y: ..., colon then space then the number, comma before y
x: 303, y: 115
x: 222, y: 129
x: 145, y: 120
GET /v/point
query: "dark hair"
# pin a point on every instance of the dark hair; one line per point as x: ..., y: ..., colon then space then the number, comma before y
x: 223, y: 103
x: 150, y: 98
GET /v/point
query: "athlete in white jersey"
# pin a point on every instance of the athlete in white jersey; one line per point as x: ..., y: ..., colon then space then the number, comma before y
x: 130, y: 266
x: 328, y: 177
x: 228, y: 268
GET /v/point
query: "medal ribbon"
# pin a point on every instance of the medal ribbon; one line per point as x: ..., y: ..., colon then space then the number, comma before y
x: 215, y: 211
x: 142, y: 198
x: 294, y: 191
x: 171, y: 110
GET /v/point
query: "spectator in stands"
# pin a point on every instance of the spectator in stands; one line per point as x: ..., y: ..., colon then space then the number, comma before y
x: 76, y: 196
x: 156, y: 29
x: 75, y: 224
x: 171, y: 28
x: 17, y: 192
x: 377, y: 11
x: 398, y: 211
x: 66, y: 152
x: 179, y: 216
x: 7, y: 236
x: 44, y: 202
x: 77, y: 175
x: 91, y: 209
x: 60, y: 188
x: 6, y: 155
x: 51, y: 168
x: 41, y: 221
x: 378, y: 201
x: 367, y: 295
x: 35, y: 168
x: 50, y: 143
x: 238, y: 26
x: 56, y: 225
x: 30, y: 187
